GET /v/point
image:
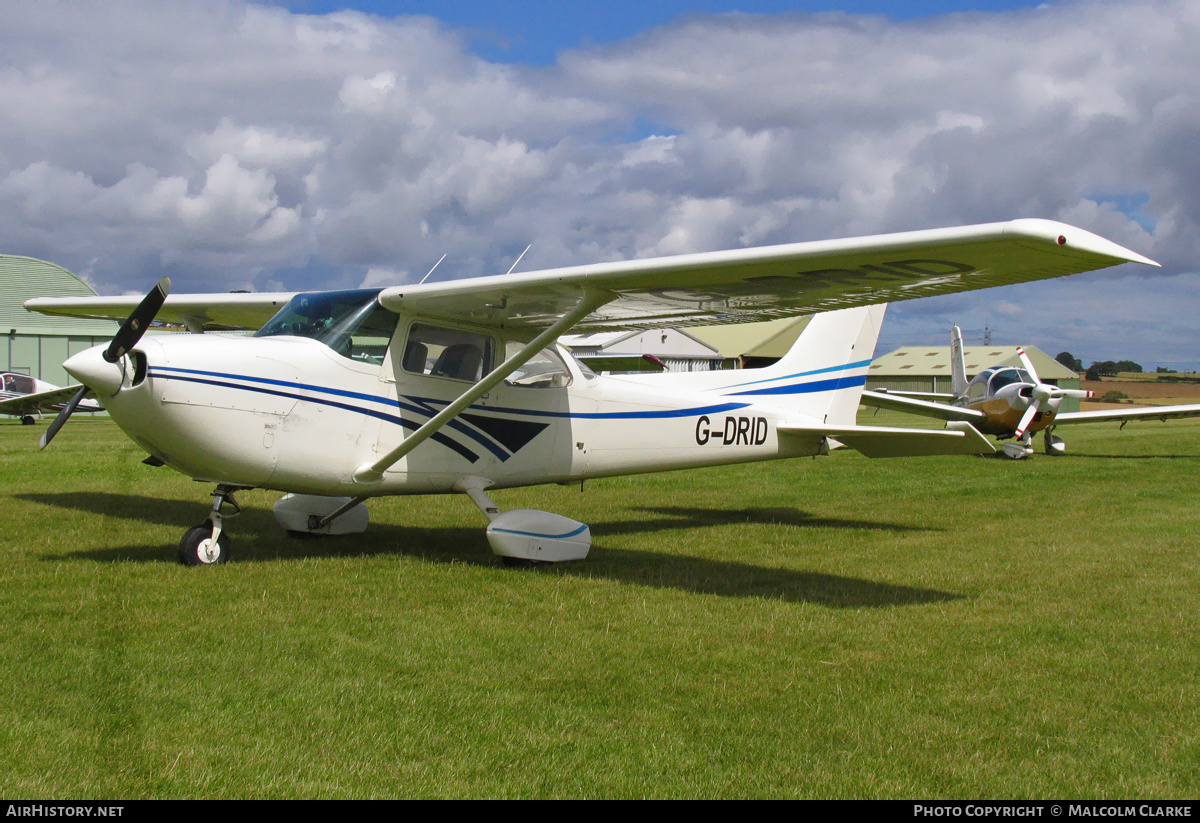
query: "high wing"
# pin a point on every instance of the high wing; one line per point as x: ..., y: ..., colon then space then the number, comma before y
x: 1125, y: 415
x: 749, y: 285
x: 942, y: 411
x: 744, y: 285
x: 42, y: 401
x: 213, y: 312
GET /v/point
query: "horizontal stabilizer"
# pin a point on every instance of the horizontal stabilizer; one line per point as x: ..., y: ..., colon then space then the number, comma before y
x: 942, y: 411
x: 878, y: 441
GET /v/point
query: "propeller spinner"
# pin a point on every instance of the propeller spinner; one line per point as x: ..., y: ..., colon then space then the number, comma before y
x: 101, y: 378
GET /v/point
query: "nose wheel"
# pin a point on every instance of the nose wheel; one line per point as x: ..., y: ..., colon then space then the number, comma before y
x: 200, y: 548
x: 207, y: 544
x: 1020, y: 448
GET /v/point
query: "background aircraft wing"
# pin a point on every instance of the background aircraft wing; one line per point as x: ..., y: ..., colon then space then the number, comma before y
x: 209, y: 311
x: 941, y: 397
x: 767, y: 283
x: 1125, y: 415
x: 41, y: 401
x: 942, y: 411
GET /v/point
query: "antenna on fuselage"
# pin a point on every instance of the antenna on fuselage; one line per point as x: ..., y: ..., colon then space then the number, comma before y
x: 518, y: 260
x: 435, y: 265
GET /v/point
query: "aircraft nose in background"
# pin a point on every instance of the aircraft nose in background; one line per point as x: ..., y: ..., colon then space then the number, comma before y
x: 91, y: 369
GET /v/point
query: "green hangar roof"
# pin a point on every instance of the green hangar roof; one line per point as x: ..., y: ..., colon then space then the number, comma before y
x: 24, y: 277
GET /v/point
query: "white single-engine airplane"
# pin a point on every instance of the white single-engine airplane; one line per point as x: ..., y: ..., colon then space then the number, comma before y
x: 1011, y: 402
x: 27, y: 397
x: 459, y: 387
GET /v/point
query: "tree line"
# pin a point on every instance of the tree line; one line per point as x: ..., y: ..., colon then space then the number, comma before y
x: 1102, y: 368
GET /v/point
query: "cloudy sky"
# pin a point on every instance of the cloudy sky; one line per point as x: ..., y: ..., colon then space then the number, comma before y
x: 299, y: 145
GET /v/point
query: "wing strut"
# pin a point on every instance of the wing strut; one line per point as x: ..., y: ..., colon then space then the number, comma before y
x: 591, y: 300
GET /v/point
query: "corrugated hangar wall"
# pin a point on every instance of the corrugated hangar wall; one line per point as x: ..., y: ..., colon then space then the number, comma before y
x: 37, y: 344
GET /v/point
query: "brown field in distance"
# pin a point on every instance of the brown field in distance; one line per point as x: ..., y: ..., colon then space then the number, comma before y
x: 1146, y: 391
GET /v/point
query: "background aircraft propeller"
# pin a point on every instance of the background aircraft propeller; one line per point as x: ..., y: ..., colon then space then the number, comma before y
x: 126, y: 338
x: 1041, y: 394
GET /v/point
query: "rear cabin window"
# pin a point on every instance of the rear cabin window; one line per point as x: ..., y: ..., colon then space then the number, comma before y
x: 442, y: 352
x: 545, y: 370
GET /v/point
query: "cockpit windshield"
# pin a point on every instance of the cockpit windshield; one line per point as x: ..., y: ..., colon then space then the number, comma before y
x: 350, y: 322
x: 1006, y: 377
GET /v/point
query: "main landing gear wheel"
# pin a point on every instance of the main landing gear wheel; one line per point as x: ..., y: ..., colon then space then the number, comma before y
x: 28, y: 420
x: 197, y: 548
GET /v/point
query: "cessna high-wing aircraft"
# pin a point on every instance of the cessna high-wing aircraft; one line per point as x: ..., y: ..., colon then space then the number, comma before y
x: 459, y: 387
x: 1011, y: 402
x: 27, y: 397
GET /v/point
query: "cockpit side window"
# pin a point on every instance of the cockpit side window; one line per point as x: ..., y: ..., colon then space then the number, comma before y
x: 19, y: 383
x: 444, y: 352
x: 978, y: 386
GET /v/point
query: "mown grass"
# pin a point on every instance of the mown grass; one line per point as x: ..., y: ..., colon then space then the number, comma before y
x: 837, y: 627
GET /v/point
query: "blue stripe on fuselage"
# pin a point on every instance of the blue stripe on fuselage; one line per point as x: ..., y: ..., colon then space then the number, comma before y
x: 860, y: 364
x: 806, y: 388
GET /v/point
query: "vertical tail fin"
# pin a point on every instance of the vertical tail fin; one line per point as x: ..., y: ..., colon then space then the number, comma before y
x: 822, y: 375
x: 958, y: 366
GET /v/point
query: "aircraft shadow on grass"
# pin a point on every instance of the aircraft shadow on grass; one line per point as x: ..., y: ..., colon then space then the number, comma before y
x: 260, y: 540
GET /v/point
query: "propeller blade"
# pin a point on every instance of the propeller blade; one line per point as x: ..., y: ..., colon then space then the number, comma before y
x: 62, y: 417
x: 125, y: 339
x: 1027, y: 418
x: 136, y: 323
x: 1028, y: 364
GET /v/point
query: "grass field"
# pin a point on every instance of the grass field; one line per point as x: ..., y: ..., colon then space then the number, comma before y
x: 838, y: 627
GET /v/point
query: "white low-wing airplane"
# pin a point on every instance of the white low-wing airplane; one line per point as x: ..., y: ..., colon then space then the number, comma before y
x: 459, y: 387
x: 27, y: 397
x: 1011, y: 402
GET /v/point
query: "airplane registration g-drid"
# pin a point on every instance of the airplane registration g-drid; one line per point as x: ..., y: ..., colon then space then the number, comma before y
x: 460, y: 386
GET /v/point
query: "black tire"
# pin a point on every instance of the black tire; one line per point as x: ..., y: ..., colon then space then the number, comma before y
x: 28, y: 420
x: 195, y: 547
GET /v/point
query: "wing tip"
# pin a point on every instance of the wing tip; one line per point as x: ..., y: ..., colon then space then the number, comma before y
x: 1064, y: 235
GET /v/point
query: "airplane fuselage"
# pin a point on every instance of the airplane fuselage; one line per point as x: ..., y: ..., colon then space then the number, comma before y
x: 288, y: 413
x: 1004, y: 415
x: 1004, y: 395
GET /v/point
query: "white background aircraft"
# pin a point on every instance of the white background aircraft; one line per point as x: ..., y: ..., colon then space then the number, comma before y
x: 458, y: 387
x: 27, y: 397
x: 1011, y: 402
